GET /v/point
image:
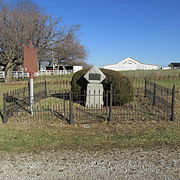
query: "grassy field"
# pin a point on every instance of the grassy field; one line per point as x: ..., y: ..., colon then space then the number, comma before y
x: 17, y: 138
x: 172, y: 74
x: 34, y: 137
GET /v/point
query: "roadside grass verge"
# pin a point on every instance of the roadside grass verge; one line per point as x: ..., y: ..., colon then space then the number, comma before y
x: 34, y: 137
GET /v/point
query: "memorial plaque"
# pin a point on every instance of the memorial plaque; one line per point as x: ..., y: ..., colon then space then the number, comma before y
x: 93, y: 76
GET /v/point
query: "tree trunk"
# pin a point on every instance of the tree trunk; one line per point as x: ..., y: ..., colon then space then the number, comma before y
x: 8, y: 72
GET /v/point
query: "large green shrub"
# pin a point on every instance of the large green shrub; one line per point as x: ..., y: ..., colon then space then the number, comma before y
x: 121, y: 85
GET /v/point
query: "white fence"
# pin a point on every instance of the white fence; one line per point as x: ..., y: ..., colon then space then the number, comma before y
x: 53, y: 72
x: 21, y: 74
x: 2, y: 75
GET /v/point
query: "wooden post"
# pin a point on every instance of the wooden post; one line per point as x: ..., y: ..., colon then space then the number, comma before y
x: 145, y: 87
x: 110, y: 104
x: 172, y: 118
x: 71, y: 116
x: 154, y: 95
x: 5, y: 117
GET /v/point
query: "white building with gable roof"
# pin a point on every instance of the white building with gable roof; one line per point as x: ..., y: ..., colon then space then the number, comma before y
x: 131, y: 64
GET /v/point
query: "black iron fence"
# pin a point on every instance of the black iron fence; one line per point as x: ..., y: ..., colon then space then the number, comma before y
x: 54, y: 102
x: 16, y: 103
x: 161, y: 97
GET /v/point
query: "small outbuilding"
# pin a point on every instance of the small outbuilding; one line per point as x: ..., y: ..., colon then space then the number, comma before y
x: 174, y: 65
x: 131, y: 64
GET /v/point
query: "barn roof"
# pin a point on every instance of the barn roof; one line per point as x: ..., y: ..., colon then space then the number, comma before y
x: 130, y: 58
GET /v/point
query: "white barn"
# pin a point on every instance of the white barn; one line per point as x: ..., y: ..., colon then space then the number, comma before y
x: 131, y: 64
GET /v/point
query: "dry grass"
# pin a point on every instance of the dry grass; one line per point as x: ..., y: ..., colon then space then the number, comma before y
x: 35, y: 137
x: 171, y: 74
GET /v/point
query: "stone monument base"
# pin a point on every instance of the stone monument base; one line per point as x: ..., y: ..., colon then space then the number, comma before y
x: 94, y: 97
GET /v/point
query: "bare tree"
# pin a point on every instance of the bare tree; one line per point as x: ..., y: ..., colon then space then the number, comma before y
x: 69, y: 49
x: 22, y: 23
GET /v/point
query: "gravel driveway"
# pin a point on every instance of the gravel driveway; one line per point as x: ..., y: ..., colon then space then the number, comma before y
x: 157, y: 163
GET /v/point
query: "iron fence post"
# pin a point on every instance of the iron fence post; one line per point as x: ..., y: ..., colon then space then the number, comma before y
x: 107, y: 105
x: 5, y: 117
x: 172, y: 118
x: 110, y: 104
x: 71, y: 116
x: 154, y: 95
x: 64, y: 106
x: 45, y: 88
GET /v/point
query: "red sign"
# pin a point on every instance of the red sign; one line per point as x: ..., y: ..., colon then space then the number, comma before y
x: 30, y: 59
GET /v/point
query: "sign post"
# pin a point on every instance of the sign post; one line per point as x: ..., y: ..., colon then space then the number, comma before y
x: 30, y: 66
x: 31, y: 88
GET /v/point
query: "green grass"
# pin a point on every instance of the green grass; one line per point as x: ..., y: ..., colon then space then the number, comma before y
x: 34, y: 137
x: 9, y: 87
x: 18, y: 138
x: 169, y: 82
x: 23, y: 83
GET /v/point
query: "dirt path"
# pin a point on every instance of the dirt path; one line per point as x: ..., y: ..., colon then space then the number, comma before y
x: 159, y: 163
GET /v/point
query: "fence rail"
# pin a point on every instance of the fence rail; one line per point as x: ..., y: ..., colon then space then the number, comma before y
x: 55, y: 101
x: 22, y: 74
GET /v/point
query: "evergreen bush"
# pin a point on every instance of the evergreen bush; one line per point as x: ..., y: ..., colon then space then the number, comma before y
x: 121, y: 85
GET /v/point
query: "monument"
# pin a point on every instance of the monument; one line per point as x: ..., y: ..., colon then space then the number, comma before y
x: 94, y: 95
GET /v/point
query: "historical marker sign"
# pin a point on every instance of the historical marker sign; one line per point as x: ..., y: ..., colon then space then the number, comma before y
x: 30, y: 59
x: 30, y: 66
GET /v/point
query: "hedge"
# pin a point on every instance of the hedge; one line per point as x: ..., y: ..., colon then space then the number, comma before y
x: 121, y: 85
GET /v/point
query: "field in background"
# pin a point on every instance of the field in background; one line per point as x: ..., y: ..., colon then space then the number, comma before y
x: 163, y: 77
x: 154, y: 74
